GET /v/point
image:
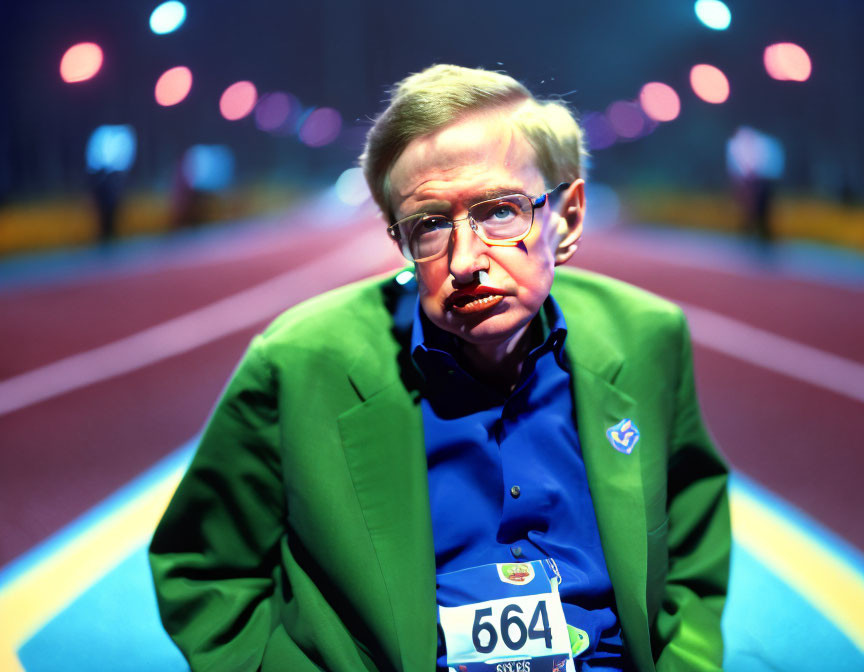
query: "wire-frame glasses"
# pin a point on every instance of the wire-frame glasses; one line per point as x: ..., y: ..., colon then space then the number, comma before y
x: 504, y: 221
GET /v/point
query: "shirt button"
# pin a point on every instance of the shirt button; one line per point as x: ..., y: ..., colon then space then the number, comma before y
x: 515, y: 491
x: 516, y: 551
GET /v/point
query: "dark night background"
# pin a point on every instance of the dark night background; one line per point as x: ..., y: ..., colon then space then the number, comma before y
x: 345, y: 54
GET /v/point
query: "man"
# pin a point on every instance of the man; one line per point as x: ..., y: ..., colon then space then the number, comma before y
x: 529, y: 473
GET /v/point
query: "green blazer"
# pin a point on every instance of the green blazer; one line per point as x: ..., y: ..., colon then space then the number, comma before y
x: 300, y: 537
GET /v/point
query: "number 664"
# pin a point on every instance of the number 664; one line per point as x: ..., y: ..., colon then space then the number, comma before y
x: 538, y: 628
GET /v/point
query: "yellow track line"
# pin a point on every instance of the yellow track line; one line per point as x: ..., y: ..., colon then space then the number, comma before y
x: 34, y: 598
x: 821, y: 577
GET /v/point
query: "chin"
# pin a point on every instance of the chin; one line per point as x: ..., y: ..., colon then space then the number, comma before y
x: 492, y: 330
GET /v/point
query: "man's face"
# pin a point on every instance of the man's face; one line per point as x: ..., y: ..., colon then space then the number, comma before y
x: 445, y: 173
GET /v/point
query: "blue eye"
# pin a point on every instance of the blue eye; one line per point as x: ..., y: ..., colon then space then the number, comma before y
x: 502, y: 212
x: 497, y: 213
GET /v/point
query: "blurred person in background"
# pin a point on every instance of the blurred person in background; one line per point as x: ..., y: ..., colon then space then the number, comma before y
x: 493, y: 445
x: 755, y: 161
x: 106, y: 187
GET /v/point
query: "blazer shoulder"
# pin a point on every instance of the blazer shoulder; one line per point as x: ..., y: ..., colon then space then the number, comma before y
x: 632, y: 321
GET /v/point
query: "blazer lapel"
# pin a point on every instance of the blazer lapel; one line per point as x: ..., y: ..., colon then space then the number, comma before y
x: 383, y: 442
x: 615, y: 482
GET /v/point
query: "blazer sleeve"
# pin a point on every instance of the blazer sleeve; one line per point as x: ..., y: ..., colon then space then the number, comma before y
x: 686, y: 634
x: 214, y: 555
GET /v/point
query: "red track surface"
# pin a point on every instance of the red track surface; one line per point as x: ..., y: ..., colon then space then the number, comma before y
x: 64, y: 455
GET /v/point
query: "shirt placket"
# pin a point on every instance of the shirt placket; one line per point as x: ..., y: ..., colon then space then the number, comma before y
x: 516, y: 479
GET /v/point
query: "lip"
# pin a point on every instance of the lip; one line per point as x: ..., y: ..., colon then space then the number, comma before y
x: 454, y: 301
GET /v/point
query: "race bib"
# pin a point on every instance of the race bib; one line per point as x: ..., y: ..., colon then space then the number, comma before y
x: 504, y: 618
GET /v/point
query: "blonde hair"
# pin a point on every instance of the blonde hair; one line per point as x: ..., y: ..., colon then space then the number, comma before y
x: 439, y: 95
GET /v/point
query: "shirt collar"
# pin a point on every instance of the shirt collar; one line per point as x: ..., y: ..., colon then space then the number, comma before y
x: 554, y: 331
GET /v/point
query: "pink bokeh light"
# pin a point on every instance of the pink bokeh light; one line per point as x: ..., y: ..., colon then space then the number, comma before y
x: 659, y: 101
x: 238, y: 100
x: 81, y: 62
x: 709, y: 83
x: 787, y: 62
x: 173, y: 86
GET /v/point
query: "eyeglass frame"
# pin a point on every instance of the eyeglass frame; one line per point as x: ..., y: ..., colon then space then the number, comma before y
x: 538, y: 202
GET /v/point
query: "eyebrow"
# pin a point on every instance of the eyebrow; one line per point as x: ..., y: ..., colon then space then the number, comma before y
x: 440, y: 207
x: 496, y: 192
x: 433, y: 207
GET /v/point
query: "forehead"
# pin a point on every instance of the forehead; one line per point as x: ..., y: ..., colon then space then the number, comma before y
x: 481, y: 151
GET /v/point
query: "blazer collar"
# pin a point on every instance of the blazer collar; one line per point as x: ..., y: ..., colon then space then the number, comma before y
x: 382, y: 438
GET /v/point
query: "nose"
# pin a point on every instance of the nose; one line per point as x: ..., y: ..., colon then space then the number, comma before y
x: 468, y: 253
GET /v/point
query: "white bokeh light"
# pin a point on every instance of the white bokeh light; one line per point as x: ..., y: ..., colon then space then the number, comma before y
x: 351, y: 187
x: 167, y: 17
x: 713, y: 13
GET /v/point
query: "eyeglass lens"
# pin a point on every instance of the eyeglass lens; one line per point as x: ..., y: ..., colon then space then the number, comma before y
x: 500, y: 219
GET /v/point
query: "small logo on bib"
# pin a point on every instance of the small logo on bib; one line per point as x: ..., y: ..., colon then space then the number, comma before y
x: 518, y: 573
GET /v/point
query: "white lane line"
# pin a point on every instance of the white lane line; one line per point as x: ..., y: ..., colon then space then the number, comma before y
x: 775, y: 353
x: 256, y: 304
x: 363, y: 256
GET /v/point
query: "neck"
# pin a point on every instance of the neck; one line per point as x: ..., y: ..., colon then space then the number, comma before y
x: 500, y: 364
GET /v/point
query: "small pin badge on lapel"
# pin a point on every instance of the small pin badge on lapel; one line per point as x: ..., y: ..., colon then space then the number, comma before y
x: 623, y: 436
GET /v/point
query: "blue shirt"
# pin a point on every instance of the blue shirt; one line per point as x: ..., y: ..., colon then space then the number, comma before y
x: 507, y: 480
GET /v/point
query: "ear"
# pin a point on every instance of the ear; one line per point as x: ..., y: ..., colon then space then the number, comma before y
x: 570, y: 214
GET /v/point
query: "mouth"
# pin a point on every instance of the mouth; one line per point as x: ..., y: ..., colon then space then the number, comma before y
x: 465, y: 303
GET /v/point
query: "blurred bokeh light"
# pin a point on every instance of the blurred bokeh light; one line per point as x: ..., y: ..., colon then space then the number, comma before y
x: 274, y: 110
x: 111, y: 148
x: 321, y: 127
x: 208, y: 167
x: 167, y: 17
x: 751, y: 153
x: 173, y: 86
x: 604, y: 203
x: 787, y: 62
x: 709, y: 83
x: 598, y: 130
x: 659, y: 101
x: 713, y: 14
x: 351, y: 187
x: 81, y: 62
x: 238, y: 100
x: 626, y: 119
